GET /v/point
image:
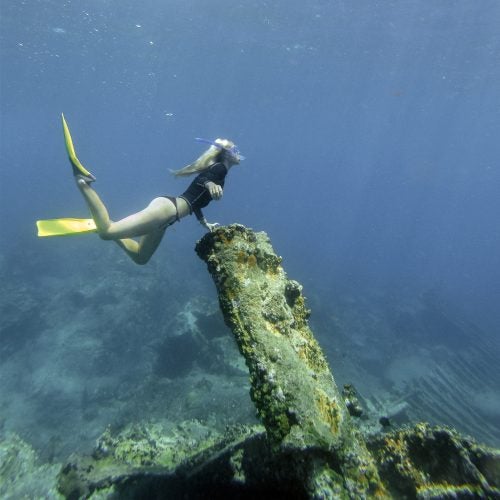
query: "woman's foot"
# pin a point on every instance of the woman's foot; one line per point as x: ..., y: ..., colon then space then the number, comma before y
x: 79, y: 171
x: 83, y: 179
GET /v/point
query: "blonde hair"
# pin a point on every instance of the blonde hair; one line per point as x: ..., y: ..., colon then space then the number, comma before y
x: 208, y: 158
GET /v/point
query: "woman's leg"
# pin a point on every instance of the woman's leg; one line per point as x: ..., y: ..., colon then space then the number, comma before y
x: 96, y: 206
x: 149, y: 223
x: 140, y: 252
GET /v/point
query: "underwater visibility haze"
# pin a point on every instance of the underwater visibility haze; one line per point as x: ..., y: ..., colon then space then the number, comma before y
x: 370, y: 131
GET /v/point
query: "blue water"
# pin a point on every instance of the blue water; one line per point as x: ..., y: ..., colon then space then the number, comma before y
x: 370, y: 130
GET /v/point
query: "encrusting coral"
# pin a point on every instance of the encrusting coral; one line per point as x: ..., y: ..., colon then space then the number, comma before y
x: 291, y: 383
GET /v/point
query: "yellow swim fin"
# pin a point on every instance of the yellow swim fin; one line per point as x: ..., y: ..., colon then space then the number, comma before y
x: 65, y: 227
x: 78, y: 168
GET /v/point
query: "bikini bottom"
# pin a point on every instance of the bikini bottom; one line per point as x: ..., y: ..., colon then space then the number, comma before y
x: 173, y: 199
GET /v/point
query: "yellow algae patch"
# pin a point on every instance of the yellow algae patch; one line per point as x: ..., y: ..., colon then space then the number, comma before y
x: 271, y: 327
x: 312, y: 355
x: 241, y: 257
x: 252, y: 260
x: 244, y: 258
x: 223, y: 238
x: 396, y: 451
x: 328, y: 410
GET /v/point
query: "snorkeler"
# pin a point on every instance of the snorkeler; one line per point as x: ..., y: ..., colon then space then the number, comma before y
x: 149, y: 224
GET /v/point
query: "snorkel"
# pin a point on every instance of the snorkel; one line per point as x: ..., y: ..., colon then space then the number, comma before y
x: 233, y: 151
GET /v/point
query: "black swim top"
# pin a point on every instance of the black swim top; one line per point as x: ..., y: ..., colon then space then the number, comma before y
x: 197, y: 195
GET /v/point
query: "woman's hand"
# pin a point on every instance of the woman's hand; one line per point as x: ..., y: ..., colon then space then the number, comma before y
x: 209, y: 225
x: 214, y: 189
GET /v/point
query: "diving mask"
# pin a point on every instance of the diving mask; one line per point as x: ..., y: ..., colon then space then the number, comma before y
x: 233, y: 150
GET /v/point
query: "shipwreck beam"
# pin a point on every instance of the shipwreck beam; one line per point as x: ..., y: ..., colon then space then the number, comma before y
x: 291, y: 384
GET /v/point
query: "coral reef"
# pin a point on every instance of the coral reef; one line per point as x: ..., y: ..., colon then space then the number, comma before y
x: 21, y: 474
x: 310, y: 448
x: 98, y: 353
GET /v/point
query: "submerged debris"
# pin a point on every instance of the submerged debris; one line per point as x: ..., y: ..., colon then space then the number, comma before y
x: 351, y: 401
x: 435, y: 462
x: 384, y: 422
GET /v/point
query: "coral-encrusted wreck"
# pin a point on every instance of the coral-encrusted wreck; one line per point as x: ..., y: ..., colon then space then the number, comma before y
x: 310, y: 448
x: 291, y: 385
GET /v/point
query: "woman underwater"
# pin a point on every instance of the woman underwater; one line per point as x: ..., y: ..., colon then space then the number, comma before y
x: 149, y: 224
